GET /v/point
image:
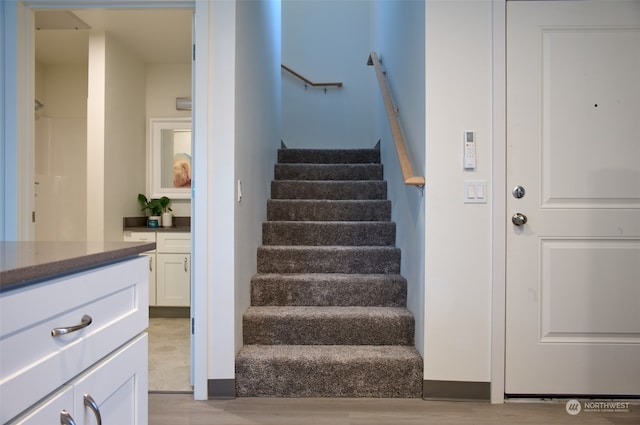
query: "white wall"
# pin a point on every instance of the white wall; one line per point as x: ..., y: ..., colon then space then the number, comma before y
x: 327, y: 41
x: 125, y: 136
x: 5, y: 187
x: 244, y: 133
x: 458, y: 236
x: 166, y: 82
x: 116, y: 144
x: 258, y: 134
x: 95, y: 135
x: 61, y: 153
x: 214, y: 231
x: 398, y: 39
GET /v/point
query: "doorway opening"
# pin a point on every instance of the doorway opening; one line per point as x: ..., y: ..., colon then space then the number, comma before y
x: 146, y: 65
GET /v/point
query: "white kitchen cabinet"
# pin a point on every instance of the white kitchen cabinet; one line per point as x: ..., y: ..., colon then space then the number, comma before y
x: 82, y: 333
x: 169, y: 267
x: 173, y: 280
x: 111, y: 392
x: 150, y: 255
x: 153, y: 265
x: 51, y: 410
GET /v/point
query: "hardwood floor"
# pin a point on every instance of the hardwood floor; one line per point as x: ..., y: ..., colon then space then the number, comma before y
x: 177, y: 409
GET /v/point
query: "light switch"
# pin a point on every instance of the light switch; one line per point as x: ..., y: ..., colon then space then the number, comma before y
x: 475, y: 192
x: 471, y: 191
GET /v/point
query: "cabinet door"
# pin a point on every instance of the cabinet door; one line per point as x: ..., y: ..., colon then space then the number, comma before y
x: 173, y: 280
x: 146, y: 237
x: 49, y: 411
x: 116, y: 389
x: 152, y: 276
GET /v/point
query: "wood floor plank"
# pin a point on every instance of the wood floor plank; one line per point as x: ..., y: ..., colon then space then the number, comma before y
x: 177, y: 409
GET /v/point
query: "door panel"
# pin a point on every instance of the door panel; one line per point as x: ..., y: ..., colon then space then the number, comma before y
x: 576, y: 307
x: 573, y: 105
x: 590, y: 93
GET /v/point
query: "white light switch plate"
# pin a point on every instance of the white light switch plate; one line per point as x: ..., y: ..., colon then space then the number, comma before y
x: 475, y: 191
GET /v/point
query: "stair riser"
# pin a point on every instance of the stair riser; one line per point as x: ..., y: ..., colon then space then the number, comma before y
x: 401, y: 379
x: 283, y: 292
x: 326, y: 234
x: 381, y: 260
x: 291, y: 210
x: 328, y: 172
x: 329, y: 156
x: 288, y: 330
x: 358, y: 190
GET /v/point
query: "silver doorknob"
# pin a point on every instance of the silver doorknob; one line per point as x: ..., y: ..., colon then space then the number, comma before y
x: 519, y: 219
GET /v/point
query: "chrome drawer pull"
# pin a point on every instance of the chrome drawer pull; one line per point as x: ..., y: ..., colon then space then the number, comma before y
x: 86, y: 321
x: 91, y: 404
x: 66, y: 419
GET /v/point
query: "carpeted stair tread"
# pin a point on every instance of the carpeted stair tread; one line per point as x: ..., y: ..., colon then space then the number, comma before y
x: 329, y: 289
x: 354, y: 233
x: 328, y: 371
x: 328, y: 259
x: 328, y: 315
x: 329, y: 156
x: 328, y: 210
x: 328, y: 189
x: 328, y: 172
x: 328, y: 325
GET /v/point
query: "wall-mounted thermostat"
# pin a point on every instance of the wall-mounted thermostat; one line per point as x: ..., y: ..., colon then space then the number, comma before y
x: 469, y: 156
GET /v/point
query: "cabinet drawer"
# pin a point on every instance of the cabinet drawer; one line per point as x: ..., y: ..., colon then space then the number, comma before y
x: 50, y: 410
x: 117, y: 385
x: 34, y: 363
x: 174, y: 242
x: 139, y: 236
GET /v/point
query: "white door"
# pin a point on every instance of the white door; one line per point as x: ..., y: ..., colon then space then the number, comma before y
x: 573, y: 144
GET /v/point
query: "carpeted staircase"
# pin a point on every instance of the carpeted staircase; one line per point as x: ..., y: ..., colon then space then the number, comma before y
x: 328, y: 313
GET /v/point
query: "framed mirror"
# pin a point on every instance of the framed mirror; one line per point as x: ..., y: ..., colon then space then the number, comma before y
x: 170, y: 157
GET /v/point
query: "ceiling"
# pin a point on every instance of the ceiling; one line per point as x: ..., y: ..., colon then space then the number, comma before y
x: 154, y: 35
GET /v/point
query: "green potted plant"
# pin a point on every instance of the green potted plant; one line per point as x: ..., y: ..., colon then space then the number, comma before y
x: 156, y: 207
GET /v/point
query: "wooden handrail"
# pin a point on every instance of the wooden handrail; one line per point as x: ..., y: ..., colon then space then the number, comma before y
x: 309, y: 82
x: 405, y: 165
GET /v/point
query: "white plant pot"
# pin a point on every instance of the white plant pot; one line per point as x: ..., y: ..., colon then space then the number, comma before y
x: 167, y: 220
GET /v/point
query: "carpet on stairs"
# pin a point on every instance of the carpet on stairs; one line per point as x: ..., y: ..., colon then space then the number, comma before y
x: 328, y: 314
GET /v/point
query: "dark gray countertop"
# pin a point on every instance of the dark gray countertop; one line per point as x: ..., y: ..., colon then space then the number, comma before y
x: 185, y: 229
x: 24, y: 263
x: 139, y: 224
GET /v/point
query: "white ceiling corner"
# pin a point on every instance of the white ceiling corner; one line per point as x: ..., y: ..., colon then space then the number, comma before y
x: 154, y: 35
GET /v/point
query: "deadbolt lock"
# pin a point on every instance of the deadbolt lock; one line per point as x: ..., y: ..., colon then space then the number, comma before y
x: 518, y: 192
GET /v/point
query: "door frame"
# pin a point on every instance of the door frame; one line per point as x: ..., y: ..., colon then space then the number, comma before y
x: 501, y: 216
x: 16, y: 114
x: 499, y: 203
